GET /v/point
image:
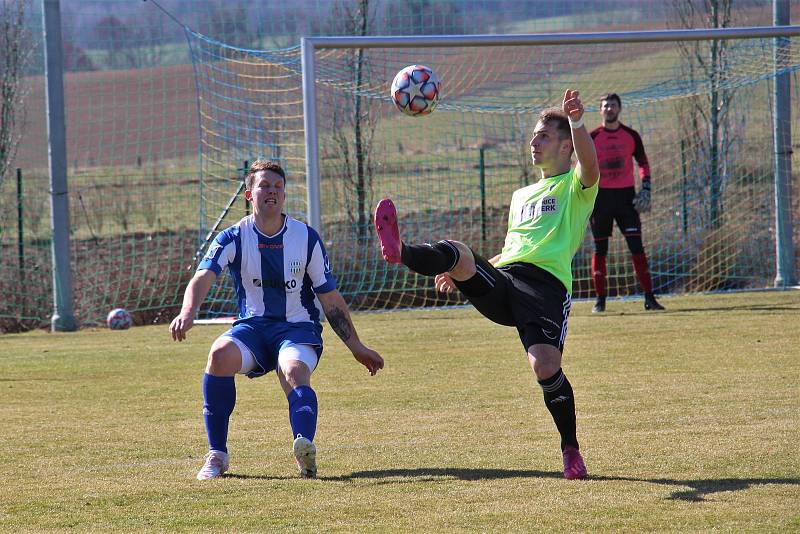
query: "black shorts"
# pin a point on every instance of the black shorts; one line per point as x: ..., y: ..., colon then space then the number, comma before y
x: 521, y: 295
x: 615, y: 205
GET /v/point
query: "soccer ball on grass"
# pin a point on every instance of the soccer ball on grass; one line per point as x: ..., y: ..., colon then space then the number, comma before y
x: 415, y: 90
x: 119, y: 319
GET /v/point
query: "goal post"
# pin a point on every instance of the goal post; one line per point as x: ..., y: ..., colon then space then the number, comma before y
x: 784, y: 257
x: 785, y: 275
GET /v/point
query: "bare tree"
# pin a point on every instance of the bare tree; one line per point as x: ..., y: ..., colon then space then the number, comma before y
x: 149, y: 39
x: 227, y: 20
x: 523, y: 152
x: 354, y: 125
x: 117, y: 38
x: 15, y: 52
x: 712, y: 134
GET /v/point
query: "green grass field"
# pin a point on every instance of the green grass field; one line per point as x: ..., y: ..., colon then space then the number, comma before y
x: 688, y: 421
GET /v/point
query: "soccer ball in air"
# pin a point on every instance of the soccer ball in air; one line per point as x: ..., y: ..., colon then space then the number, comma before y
x: 415, y: 90
x: 119, y: 319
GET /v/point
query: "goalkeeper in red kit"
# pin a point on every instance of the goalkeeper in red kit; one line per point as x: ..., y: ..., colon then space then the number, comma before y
x: 617, y: 200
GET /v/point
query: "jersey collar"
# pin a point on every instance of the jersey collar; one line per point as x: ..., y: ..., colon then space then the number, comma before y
x: 277, y: 234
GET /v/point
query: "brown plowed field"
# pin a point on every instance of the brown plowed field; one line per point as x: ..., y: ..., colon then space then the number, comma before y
x: 115, y: 117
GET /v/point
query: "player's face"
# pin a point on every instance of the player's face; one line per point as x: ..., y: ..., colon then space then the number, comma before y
x: 547, y: 148
x: 268, y: 194
x: 610, y: 110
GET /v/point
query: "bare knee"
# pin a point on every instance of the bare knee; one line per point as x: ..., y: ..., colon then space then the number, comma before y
x: 465, y: 267
x: 545, y: 360
x: 224, y: 358
x: 296, y: 373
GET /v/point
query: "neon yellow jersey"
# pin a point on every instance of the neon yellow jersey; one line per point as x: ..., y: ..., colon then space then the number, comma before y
x: 547, y: 222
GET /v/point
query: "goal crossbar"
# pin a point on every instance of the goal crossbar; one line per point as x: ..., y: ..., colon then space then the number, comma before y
x: 539, y: 39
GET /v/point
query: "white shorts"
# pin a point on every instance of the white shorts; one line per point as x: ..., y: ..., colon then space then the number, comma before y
x: 304, y: 353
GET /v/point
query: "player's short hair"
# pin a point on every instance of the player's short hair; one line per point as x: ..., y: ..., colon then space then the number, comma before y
x: 262, y: 165
x: 560, y: 119
x: 611, y: 96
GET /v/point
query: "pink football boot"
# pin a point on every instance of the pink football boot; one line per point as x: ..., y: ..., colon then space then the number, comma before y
x: 388, y: 234
x: 574, y: 468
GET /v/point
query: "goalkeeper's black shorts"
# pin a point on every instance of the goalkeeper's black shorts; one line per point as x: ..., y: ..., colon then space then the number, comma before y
x: 615, y: 205
x: 521, y: 295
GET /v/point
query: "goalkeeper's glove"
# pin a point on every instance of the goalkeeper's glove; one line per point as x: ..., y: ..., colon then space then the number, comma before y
x: 642, y: 199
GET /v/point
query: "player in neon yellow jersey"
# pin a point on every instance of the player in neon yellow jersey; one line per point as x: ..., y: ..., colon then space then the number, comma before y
x: 528, y: 284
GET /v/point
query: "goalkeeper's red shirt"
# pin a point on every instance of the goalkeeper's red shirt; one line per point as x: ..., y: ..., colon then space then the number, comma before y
x: 616, y: 150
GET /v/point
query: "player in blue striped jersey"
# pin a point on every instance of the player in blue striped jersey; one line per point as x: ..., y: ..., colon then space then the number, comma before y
x: 283, y: 283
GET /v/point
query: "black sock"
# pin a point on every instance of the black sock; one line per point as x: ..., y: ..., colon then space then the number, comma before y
x: 559, y: 399
x: 430, y: 260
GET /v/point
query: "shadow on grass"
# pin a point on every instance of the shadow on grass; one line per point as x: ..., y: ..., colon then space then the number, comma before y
x: 431, y: 473
x: 691, y: 311
x: 33, y: 379
x: 753, y: 308
x: 700, y: 488
x: 697, y: 490
x: 258, y: 477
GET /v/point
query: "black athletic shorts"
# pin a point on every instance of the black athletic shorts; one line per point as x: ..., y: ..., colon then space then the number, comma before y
x: 521, y: 295
x: 615, y: 205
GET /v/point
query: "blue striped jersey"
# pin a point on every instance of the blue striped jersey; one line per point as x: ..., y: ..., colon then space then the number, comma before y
x: 275, y: 277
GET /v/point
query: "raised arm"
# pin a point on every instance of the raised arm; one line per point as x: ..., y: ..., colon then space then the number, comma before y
x: 338, y: 314
x: 588, y: 169
x: 193, y: 297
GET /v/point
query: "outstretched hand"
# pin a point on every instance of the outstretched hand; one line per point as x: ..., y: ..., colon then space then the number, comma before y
x: 572, y: 105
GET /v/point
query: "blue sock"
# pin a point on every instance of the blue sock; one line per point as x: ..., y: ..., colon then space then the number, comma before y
x: 303, y: 412
x: 219, y: 398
